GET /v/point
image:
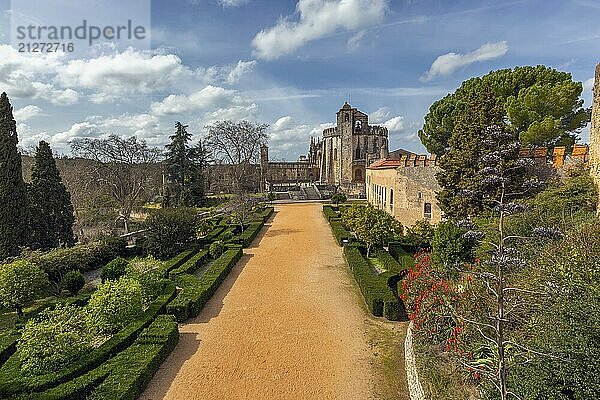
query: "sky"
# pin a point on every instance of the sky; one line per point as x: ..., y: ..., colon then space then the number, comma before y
x: 287, y: 63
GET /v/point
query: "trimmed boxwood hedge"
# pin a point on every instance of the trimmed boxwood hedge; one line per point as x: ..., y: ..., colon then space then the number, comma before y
x: 247, y: 237
x: 13, y: 382
x: 380, y: 299
x: 339, y: 231
x: 330, y: 213
x: 387, y: 261
x: 127, y: 374
x: 402, y: 254
x: 195, y: 262
x: 265, y: 214
x: 197, y: 291
x: 178, y: 260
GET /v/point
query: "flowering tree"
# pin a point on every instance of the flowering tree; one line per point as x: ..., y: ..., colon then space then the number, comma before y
x: 371, y: 225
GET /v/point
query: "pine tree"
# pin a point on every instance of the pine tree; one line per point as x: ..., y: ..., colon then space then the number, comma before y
x: 185, y: 165
x: 13, y: 194
x: 50, y: 208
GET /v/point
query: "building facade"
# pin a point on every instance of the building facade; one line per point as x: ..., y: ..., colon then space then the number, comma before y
x: 405, y: 187
x: 339, y: 158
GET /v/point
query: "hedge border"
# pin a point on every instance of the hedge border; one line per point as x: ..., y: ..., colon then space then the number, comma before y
x: 197, y: 291
x: 195, y: 262
x: 92, y: 360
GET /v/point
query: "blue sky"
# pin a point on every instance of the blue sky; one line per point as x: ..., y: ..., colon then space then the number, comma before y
x: 290, y: 64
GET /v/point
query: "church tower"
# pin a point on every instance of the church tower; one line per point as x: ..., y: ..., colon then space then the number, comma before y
x: 595, y: 131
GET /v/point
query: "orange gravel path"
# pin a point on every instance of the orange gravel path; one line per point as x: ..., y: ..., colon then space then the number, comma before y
x: 286, y: 324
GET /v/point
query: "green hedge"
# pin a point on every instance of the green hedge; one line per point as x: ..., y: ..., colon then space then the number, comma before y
x: 127, y: 374
x: 178, y: 260
x: 247, y: 237
x: 380, y: 299
x: 197, y: 291
x: 339, y: 231
x: 265, y: 214
x: 190, y: 265
x: 330, y: 213
x: 214, y: 234
x: 83, y: 257
x: 402, y: 254
x: 388, y: 262
x: 13, y: 382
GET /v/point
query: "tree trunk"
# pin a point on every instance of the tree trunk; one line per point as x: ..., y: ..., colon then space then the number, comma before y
x: 500, y: 311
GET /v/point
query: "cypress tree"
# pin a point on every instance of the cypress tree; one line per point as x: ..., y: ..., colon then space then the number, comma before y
x: 13, y: 194
x: 51, y: 211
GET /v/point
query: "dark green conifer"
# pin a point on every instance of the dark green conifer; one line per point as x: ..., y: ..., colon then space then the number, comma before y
x: 13, y: 194
x: 50, y: 207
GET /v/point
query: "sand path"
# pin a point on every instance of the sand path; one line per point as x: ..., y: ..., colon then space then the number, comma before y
x: 286, y: 324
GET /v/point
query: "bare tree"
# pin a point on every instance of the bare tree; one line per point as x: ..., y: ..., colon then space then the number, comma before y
x: 122, y: 165
x: 241, y: 208
x: 503, y: 180
x: 237, y: 145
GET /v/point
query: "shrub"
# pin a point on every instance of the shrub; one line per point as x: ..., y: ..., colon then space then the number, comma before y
x: 380, y: 299
x: 83, y: 257
x: 20, y: 283
x: 420, y: 234
x: 338, y: 198
x: 196, y: 292
x: 190, y: 265
x: 216, y: 249
x: 114, y: 305
x: 330, y: 213
x: 170, y: 229
x: 148, y: 272
x: 372, y: 226
x: 247, y: 237
x: 53, y: 340
x: 450, y: 249
x: 178, y: 260
x: 114, y: 269
x: 73, y: 281
x: 13, y: 382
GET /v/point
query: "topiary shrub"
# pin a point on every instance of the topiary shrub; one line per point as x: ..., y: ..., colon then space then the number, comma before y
x: 53, y: 340
x: 216, y: 249
x: 114, y: 269
x: 113, y: 305
x: 73, y: 281
x: 20, y: 283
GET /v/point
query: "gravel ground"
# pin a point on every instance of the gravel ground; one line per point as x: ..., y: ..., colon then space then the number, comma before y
x: 286, y: 324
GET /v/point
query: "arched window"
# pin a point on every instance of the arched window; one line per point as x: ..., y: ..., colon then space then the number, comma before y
x: 357, y: 155
x: 346, y: 117
x: 334, y: 154
x: 427, y: 211
x: 357, y: 126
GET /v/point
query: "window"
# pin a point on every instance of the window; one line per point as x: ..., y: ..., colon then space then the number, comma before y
x: 357, y: 155
x: 346, y: 117
x: 427, y: 211
x: 420, y: 195
x: 391, y: 198
x: 334, y: 154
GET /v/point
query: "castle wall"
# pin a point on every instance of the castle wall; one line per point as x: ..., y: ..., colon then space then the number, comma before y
x: 404, y: 192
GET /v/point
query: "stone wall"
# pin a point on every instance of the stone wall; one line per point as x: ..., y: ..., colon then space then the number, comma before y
x: 415, y: 389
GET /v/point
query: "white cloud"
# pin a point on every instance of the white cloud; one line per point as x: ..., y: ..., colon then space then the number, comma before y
x: 317, y: 19
x: 240, y: 69
x: 380, y: 115
x: 131, y: 71
x: 209, y: 97
x: 78, y: 130
x: 29, y: 138
x: 355, y: 40
x: 588, y: 84
x: 233, y: 3
x: 395, y: 124
x: 27, y: 112
x: 282, y: 123
x: 446, y: 64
